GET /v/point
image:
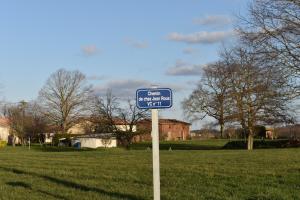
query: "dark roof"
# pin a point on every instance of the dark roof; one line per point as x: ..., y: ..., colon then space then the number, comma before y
x: 98, y: 135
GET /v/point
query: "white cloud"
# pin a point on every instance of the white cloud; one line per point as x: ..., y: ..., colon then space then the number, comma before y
x: 182, y: 68
x: 126, y: 88
x: 190, y: 50
x: 203, y: 37
x: 96, y: 78
x: 89, y: 50
x: 214, y: 20
x: 122, y: 88
x: 136, y: 44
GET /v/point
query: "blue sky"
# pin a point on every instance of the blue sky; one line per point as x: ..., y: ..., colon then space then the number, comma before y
x: 123, y: 45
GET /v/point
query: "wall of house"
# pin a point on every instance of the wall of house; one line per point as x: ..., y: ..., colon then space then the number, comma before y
x: 4, y: 132
x: 169, y: 130
x: 174, y: 131
x: 126, y: 127
x: 80, y: 128
x: 77, y: 129
x: 97, y: 142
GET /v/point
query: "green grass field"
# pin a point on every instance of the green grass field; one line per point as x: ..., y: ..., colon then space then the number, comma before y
x: 184, y: 145
x: 269, y: 174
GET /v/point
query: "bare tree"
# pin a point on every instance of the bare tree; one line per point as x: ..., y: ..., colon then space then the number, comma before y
x: 18, y: 121
x: 65, y: 98
x: 104, y: 111
x: 242, y: 88
x: 130, y: 115
x: 37, y: 123
x: 274, y: 28
x: 210, y: 97
x: 110, y: 114
x: 257, y: 91
x: 25, y: 121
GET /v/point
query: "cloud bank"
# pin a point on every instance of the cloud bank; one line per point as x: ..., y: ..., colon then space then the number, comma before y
x: 182, y: 68
x: 126, y: 88
x: 136, y: 44
x: 190, y: 50
x: 89, y: 50
x: 214, y: 20
x: 203, y: 37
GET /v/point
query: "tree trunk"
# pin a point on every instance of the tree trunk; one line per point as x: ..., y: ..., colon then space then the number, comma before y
x: 14, y: 141
x: 221, y: 130
x: 64, y: 131
x: 250, y: 140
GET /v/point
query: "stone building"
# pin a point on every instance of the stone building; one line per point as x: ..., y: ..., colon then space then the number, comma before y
x: 169, y: 130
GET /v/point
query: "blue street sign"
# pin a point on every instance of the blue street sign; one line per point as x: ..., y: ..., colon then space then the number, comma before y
x: 154, y: 98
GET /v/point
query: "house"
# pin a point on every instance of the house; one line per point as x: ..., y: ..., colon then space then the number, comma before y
x: 204, y: 134
x: 80, y: 127
x: 84, y: 125
x: 270, y: 133
x: 289, y: 131
x: 95, y: 141
x: 5, y: 132
x: 4, y: 129
x: 48, y: 138
x: 169, y: 130
x: 121, y: 125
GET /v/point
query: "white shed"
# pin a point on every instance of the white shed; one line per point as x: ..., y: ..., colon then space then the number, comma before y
x: 96, y: 140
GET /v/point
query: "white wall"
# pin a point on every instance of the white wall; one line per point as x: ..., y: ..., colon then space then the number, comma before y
x: 4, y: 132
x: 97, y: 142
x: 126, y: 127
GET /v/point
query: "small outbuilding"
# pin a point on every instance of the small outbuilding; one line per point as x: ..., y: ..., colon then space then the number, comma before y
x: 94, y: 141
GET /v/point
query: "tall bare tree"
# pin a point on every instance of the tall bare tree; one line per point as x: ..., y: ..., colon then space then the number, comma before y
x: 25, y: 120
x: 37, y: 123
x: 65, y: 98
x: 243, y: 88
x: 129, y: 116
x: 16, y: 113
x: 110, y: 114
x: 104, y: 111
x: 273, y: 26
x: 210, y: 97
x: 257, y: 91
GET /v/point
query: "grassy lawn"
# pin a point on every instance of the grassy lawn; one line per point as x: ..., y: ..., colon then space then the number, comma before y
x: 184, y: 145
x: 269, y: 174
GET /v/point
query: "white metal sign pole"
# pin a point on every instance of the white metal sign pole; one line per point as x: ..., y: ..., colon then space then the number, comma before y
x: 155, y: 151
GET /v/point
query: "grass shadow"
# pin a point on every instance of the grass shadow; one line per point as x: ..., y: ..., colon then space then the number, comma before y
x: 29, y: 187
x: 59, y: 149
x: 56, y: 196
x: 19, y: 184
x: 72, y: 185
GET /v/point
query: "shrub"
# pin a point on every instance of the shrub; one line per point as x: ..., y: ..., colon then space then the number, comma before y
x: 260, y: 131
x: 3, y: 144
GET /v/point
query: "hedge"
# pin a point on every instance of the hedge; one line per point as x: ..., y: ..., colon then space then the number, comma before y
x: 263, y: 144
